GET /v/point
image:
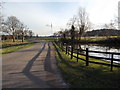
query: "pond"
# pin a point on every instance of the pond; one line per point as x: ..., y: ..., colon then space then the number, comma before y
x: 94, y: 47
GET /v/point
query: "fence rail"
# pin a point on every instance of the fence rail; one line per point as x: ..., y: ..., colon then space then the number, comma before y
x: 70, y: 50
x: 98, y: 57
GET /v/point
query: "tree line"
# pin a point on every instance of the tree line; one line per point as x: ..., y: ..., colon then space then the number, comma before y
x: 14, y: 27
x: 82, y: 25
x: 103, y: 32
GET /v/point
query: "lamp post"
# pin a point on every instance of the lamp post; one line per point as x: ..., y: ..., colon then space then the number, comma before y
x: 51, y: 26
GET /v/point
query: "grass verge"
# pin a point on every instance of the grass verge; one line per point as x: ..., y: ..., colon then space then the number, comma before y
x: 45, y: 38
x: 92, y: 76
x: 11, y: 47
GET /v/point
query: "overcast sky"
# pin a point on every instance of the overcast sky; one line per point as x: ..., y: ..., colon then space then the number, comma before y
x: 36, y: 14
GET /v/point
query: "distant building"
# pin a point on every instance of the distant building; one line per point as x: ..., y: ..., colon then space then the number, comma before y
x: 119, y: 15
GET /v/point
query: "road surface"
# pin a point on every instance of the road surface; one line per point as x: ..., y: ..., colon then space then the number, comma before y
x: 33, y: 67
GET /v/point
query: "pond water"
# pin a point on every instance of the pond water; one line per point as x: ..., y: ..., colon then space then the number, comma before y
x: 103, y: 49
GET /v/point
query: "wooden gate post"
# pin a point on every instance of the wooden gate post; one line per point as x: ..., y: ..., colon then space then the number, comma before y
x: 87, y: 62
x: 111, y: 62
x: 62, y: 46
x: 77, y: 54
x: 59, y: 45
x: 66, y: 48
x: 71, y: 52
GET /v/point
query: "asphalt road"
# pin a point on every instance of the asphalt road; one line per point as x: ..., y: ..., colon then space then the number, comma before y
x: 33, y: 67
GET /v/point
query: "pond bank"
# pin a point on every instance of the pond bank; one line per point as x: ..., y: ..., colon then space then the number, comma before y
x: 111, y: 42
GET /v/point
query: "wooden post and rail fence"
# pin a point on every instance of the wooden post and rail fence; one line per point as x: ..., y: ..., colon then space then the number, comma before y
x: 70, y: 50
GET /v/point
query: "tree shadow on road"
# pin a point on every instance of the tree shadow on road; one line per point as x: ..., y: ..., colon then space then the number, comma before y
x: 53, y: 76
x: 26, y: 70
x: 51, y: 79
x: 47, y: 63
x: 30, y: 63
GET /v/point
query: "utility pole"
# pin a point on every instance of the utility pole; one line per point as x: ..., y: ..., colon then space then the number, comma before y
x: 51, y: 27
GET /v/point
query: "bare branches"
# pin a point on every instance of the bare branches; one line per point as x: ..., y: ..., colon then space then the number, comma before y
x: 83, y: 21
x: 13, y: 26
x: 80, y: 21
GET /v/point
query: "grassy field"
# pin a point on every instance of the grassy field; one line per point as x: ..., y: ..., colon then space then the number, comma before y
x: 97, y: 38
x: 8, y: 46
x: 45, y: 38
x: 83, y: 38
x: 80, y: 76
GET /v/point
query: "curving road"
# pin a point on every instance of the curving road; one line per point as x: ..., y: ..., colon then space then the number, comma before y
x: 33, y: 67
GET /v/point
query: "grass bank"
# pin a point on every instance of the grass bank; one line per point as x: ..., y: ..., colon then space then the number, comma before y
x: 102, y: 41
x: 9, y: 46
x: 92, y: 76
x: 98, y: 38
x: 45, y: 38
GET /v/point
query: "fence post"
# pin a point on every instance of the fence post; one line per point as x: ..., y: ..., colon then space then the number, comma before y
x: 111, y: 62
x: 87, y: 63
x: 66, y: 48
x: 77, y: 54
x: 62, y: 46
x: 59, y: 45
x: 71, y: 52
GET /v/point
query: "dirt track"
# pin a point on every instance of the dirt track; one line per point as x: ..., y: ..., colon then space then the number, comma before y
x: 33, y: 67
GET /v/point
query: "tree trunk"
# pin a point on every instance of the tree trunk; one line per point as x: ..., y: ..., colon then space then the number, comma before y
x: 13, y: 37
x: 22, y: 37
x: 80, y: 36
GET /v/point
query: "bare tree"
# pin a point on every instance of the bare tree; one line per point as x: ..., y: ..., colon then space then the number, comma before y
x: 14, y: 27
x: 12, y: 24
x: 80, y: 22
x: 22, y: 28
x: 30, y: 33
x: 72, y: 32
x: 26, y: 33
x: 109, y: 26
x: 72, y: 21
x: 83, y: 21
x: 1, y: 16
x: 3, y: 28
